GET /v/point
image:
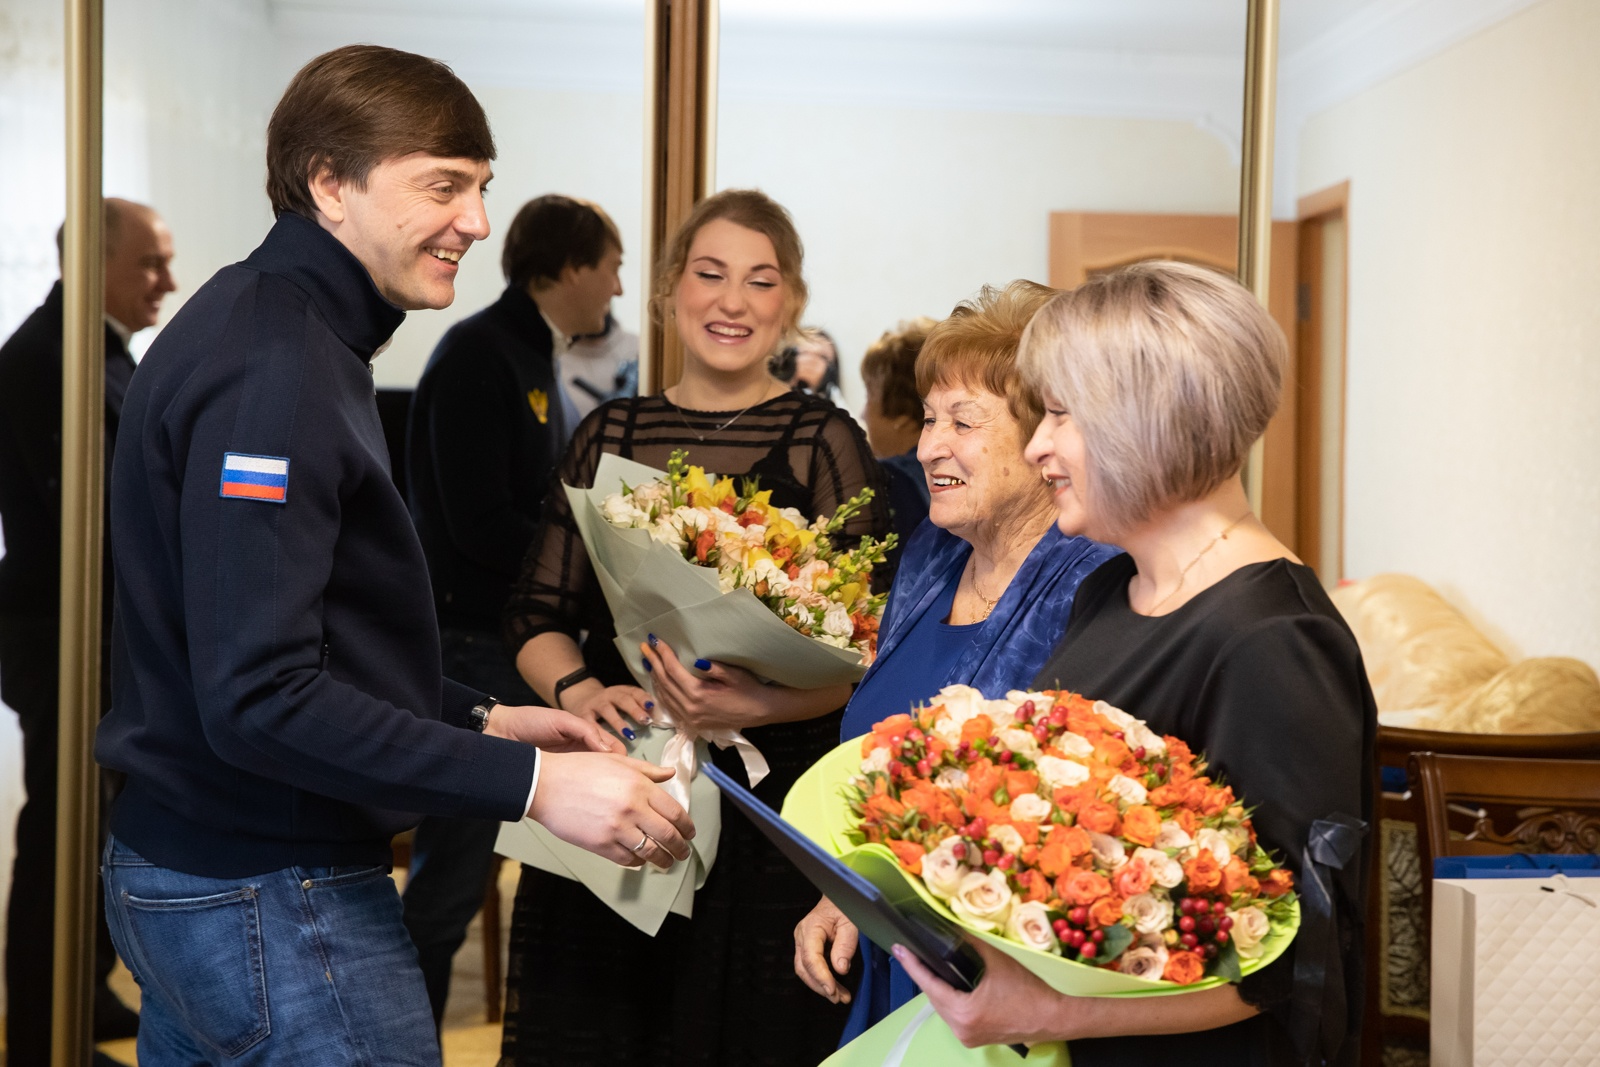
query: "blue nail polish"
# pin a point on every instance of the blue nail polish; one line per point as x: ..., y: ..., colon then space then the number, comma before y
x: 629, y: 734
x: 649, y: 705
x: 702, y: 665
x: 647, y: 667
x: 653, y: 639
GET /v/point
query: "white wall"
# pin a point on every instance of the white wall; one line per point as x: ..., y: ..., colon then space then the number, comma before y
x: 1473, y: 454
x: 906, y: 211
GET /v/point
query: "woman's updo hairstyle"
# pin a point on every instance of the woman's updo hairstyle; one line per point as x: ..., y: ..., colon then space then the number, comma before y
x: 1170, y: 371
x: 754, y: 210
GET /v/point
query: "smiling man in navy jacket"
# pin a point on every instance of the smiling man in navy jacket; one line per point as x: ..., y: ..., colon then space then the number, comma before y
x: 278, y: 705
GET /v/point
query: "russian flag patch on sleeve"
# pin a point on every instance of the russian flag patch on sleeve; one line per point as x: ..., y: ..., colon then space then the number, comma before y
x: 247, y: 477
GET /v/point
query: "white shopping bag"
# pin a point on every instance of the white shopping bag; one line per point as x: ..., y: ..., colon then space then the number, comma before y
x: 1516, y: 972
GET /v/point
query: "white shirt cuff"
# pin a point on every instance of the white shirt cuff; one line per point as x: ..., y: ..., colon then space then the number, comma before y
x: 538, y: 762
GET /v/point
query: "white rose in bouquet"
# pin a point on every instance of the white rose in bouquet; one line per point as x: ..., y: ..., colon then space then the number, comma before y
x: 1127, y: 790
x: 1061, y: 773
x: 1151, y: 913
x: 1109, y: 853
x: 1007, y: 838
x: 1138, y: 735
x: 837, y: 623
x: 1165, y: 871
x: 946, y: 729
x: 962, y: 702
x: 941, y: 871
x: 1144, y: 961
x: 951, y: 778
x: 1031, y: 807
x: 1173, y: 836
x: 877, y: 762
x: 1002, y: 712
x: 1029, y: 924
x: 1216, y: 843
x: 1020, y: 697
x: 1115, y: 716
x: 1075, y: 745
x: 1237, y: 837
x: 983, y: 900
x: 1250, y: 927
x: 620, y: 512
x: 1019, y: 741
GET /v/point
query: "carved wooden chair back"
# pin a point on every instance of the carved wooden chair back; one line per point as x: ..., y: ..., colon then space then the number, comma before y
x: 1498, y: 805
x: 1401, y: 805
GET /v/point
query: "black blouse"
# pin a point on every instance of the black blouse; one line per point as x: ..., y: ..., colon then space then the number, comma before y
x: 1261, y: 674
x: 811, y: 455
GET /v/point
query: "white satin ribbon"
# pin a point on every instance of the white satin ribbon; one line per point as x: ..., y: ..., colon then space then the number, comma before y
x: 902, y: 1046
x: 679, y: 754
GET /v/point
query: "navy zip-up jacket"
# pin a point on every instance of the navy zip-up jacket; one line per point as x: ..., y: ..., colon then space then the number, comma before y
x: 276, y: 691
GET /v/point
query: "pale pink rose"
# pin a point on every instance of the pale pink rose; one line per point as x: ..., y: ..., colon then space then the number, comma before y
x: 1144, y: 961
x: 1115, y: 716
x: 1250, y: 928
x: 1075, y: 745
x: 1127, y: 790
x: 941, y: 871
x: 1007, y: 838
x: 1133, y: 879
x: 1021, y: 742
x: 1109, y: 853
x: 1029, y: 925
x: 1031, y: 807
x: 1165, y: 871
x: 1215, y: 843
x: 1151, y: 913
x: 983, y: 900
x: 1061, y: 773
x: 1172, y: 836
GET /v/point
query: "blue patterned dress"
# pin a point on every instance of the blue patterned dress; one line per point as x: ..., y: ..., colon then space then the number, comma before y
x: 1004, y: 652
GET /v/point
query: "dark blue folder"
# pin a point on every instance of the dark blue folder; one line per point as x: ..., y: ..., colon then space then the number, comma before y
x: 871, y: 893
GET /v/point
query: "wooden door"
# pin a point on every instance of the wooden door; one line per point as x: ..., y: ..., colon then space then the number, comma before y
x: 1084, y: 243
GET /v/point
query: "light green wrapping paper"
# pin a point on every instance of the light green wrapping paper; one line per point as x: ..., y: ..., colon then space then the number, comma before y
x: 642, y: 895
x: 815, y: 805
x: 651, y: 589
x: 913, y: 1036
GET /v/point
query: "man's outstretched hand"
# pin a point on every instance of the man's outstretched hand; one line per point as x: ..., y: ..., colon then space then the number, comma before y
x: 611, y: 805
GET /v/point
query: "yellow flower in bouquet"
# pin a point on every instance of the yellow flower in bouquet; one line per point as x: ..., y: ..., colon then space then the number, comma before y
x: 788, y: 562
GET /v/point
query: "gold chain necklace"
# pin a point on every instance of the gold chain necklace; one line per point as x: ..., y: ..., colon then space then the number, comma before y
x: 972, y: 583
x: 1223, y: 536
x: 712, y: 433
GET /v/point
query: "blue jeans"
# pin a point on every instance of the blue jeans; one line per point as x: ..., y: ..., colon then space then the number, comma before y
x: 451, y: 859
x: 308, y: 965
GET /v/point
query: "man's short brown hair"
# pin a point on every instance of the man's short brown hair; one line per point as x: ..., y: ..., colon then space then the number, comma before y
x: 552, y: 233
x: 355, y: 107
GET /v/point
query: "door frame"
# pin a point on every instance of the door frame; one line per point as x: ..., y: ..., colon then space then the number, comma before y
x: 1314, y: 212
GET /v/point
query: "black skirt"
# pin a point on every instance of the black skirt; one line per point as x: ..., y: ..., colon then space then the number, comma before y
x: 584, y: 986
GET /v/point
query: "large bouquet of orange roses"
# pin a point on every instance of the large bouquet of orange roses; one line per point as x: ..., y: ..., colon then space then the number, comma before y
x: 1065, y: 828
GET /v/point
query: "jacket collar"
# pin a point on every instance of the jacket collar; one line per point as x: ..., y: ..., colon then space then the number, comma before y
x: 314, y: 261
x: 531, y: 322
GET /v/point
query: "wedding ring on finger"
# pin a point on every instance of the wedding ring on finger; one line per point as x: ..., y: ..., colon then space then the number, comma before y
x: 643, y: 841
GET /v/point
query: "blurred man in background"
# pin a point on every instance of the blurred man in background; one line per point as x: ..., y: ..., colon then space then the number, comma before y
x: 489, y: 422
x: 138, y: 254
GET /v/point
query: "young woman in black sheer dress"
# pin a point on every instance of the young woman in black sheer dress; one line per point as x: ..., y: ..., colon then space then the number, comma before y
x: 584, y: 986
x: 1157, y: 379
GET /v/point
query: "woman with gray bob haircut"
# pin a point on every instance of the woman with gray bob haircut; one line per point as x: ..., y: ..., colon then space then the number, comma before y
x: 1157, y: 378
